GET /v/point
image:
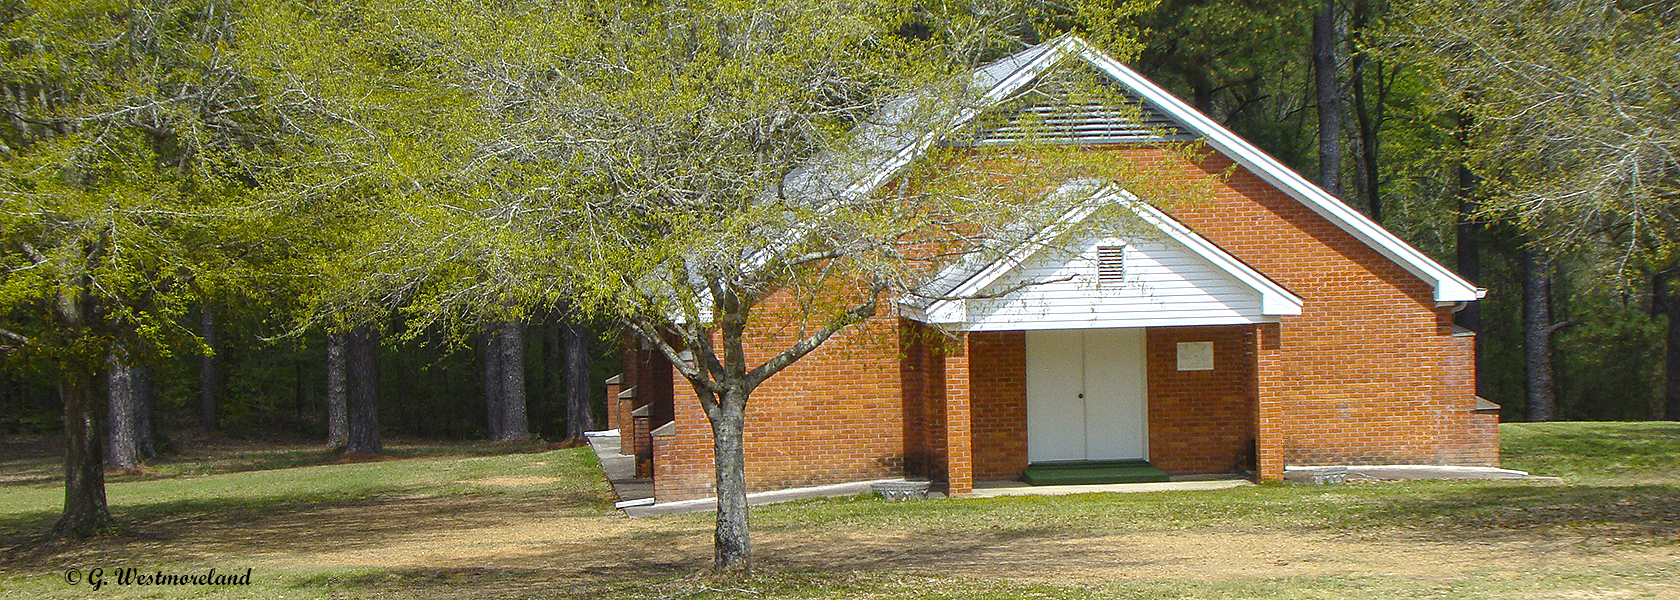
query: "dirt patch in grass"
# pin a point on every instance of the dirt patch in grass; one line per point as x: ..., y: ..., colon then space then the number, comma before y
x: 1203, y: 555
x: 487, y: 523
x: 475, y: 535
x: 514, y: 481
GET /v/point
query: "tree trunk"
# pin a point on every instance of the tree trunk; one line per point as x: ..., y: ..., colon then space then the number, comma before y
x: 123, y: 410
x: 362, y: 406
x: 1664, y: 303
x: 145, y: 401
x: 338, y: 419
x: 732, y: 547
x: 1329, y: 99
x: 493, y: 400
x: 85, y: 511
x: 1201, y: 94
x: 208, y: 415
x: 1369, y: 175
x: 1468, y: 235
x: 1671, y: 364
x: 512, y: 349
x: 579, y: 417
x: 554, y: 368
x: 1537, y: 333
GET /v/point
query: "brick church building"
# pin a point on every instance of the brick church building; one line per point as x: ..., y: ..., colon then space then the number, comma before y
x: 1269, y: 325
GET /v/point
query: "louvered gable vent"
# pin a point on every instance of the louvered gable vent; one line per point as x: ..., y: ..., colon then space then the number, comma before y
x: 1111, y: 266
x: 1073, y: 106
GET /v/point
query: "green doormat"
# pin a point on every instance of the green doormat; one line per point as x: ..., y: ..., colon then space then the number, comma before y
x: 1086, y: 472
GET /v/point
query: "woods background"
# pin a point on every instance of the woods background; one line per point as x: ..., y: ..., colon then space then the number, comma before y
x: 1364, y: 96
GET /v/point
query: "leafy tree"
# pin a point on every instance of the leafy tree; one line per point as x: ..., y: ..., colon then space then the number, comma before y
x: 124, y: 190
x: 734, y: 146
x: 376, y: 128
x: 1241, y: 62
x: 1574, y: 128
x: 637, y: 167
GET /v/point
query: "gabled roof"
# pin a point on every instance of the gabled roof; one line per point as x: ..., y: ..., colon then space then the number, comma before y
x: 886, y: 150
x: 943, y: 301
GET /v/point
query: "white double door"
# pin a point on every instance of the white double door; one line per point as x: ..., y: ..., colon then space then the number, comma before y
x: 1087, y: 398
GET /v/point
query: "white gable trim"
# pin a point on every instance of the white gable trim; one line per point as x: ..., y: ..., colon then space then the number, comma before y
x: 1449, y: 287
x: 1028, y: 65
x: 995, y: 94
x: 1275, y: 300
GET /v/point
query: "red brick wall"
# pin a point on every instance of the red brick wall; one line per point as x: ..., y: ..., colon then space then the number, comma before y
x: 998, y: 361
x: 1478, y: 439
x: 616, y: 412
x: 922, y: 377
x: 1369, y: 373
x: 647, y: 376
x: 1201, y: 421
x: 959, y: 415
x: 834, y: 416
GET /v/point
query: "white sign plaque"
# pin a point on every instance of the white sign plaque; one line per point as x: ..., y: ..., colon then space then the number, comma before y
x: 1195, y: 356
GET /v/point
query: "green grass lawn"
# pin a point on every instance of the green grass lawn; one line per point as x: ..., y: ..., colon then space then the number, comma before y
x: 1612, y: 529
x: 1595, y: 453
x: 267, y: 480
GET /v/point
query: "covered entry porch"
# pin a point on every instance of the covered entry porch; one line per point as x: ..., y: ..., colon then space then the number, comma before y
x: 1139, y: 345
x: 992, y: 403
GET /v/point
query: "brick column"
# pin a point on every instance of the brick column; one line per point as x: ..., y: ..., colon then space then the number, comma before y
x: 614, y: 419
x: 642, y: 440
x: 1270, y: 421
x: 625, y: 406
x: 959, y: 429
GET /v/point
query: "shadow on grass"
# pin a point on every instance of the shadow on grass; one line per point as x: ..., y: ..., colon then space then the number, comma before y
x: 639, y: 567
x: 1651, y: 512
x: 39, y: 461
x: 185, y: 530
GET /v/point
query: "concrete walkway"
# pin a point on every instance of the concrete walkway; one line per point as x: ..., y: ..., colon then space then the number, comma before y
x: 620, y: 469
x: 995, y: 489
x: 852, y: 488
x: 1304, y: 474
x: 635, y: 496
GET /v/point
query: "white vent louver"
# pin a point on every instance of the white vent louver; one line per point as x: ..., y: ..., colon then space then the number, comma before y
x: 1053, y: 111
x: 1111, y: 266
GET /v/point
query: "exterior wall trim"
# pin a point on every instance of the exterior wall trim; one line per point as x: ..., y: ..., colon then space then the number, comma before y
x: 1275, y: 300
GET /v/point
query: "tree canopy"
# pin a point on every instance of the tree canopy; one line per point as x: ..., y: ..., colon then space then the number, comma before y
x: 1575, y: 106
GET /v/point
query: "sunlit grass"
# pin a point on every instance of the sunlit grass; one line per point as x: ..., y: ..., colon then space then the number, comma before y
x: 572, y: 474
x: 1644, y: 579
x: 1621, y: 490
x: 1595, y: 453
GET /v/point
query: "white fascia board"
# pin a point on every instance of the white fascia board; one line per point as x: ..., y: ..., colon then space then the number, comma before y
x: 1449, y: 287
x: 1113, y: 323
x: 912, y: 313
x: 953, y: 310
x: 947, y: 312
x: 1274, y: 299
